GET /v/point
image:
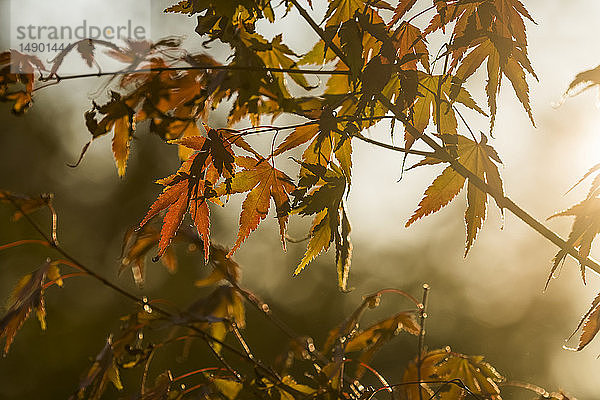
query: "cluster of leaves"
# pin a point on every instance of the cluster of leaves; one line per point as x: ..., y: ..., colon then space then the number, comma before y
x: 17, y: 77
x: 28, y: 295
x: 378, y: 61
x: 337, y: 369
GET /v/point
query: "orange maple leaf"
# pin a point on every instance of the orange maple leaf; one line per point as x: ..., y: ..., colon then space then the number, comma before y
x: 264, y: 182
x: 188, y: 190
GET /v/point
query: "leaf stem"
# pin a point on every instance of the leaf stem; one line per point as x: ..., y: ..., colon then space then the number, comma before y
x: 22, y: 242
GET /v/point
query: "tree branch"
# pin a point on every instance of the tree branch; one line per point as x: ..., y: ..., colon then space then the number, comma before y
x: 422, y: 316
x: 501, y: 199
x: 59, y: 78
x: 395, y: 148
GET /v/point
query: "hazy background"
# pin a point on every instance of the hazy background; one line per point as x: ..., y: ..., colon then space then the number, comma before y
x: 490, y: 303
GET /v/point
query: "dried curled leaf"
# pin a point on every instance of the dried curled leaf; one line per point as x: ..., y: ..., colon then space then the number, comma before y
x: 128, y: 347
x: 584, y: 81
x: 27, y: 295
x: 120, y: 119
x: 305, y: 390
x: 17, y: 77
x: 227, y: 387
x: 224, y: 268
x: 136, y: 245
x: 104, y: 369
x: 343, y: 331
x: 222, y: 305
x: 295, y: 391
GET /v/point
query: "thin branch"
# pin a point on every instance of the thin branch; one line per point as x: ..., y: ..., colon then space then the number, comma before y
x: 543, y: 393
x: 400, y: 292
x: 265, y: 309
x: 395, y: 148
x: 66, y: 255
x: 502, y: 201
x: 240, y: 338
x: 59, y: 78
x: 422, y: 315
x: 464, y: 122
x: 198, y: 386
x: 22, y: 242
x: 290, y: 239
x: 145, y: 373
x: 338, y: 52
x: 237, y: 375
x: 420, y: 13
x: 372, y: 370
x: 62, y: 278
x: 198, y: 371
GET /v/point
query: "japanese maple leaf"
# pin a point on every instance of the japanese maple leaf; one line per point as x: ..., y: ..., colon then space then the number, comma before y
x: 504, y: 57
x: 320, y: 193
x: 118, y: 117
x: 402, y: 8
x: 136, y: 244
x: 475, y: 18
x: 326, y: 139
x: 479, y: 158
x: 192, y: 186
x: 475, y: 375
x: 264, y: 183
x: 425, y: 107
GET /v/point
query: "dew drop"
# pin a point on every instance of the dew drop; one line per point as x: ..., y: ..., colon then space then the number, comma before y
x: 147, y: 308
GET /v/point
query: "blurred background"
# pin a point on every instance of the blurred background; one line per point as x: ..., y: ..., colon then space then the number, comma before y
x: 490, y: 303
